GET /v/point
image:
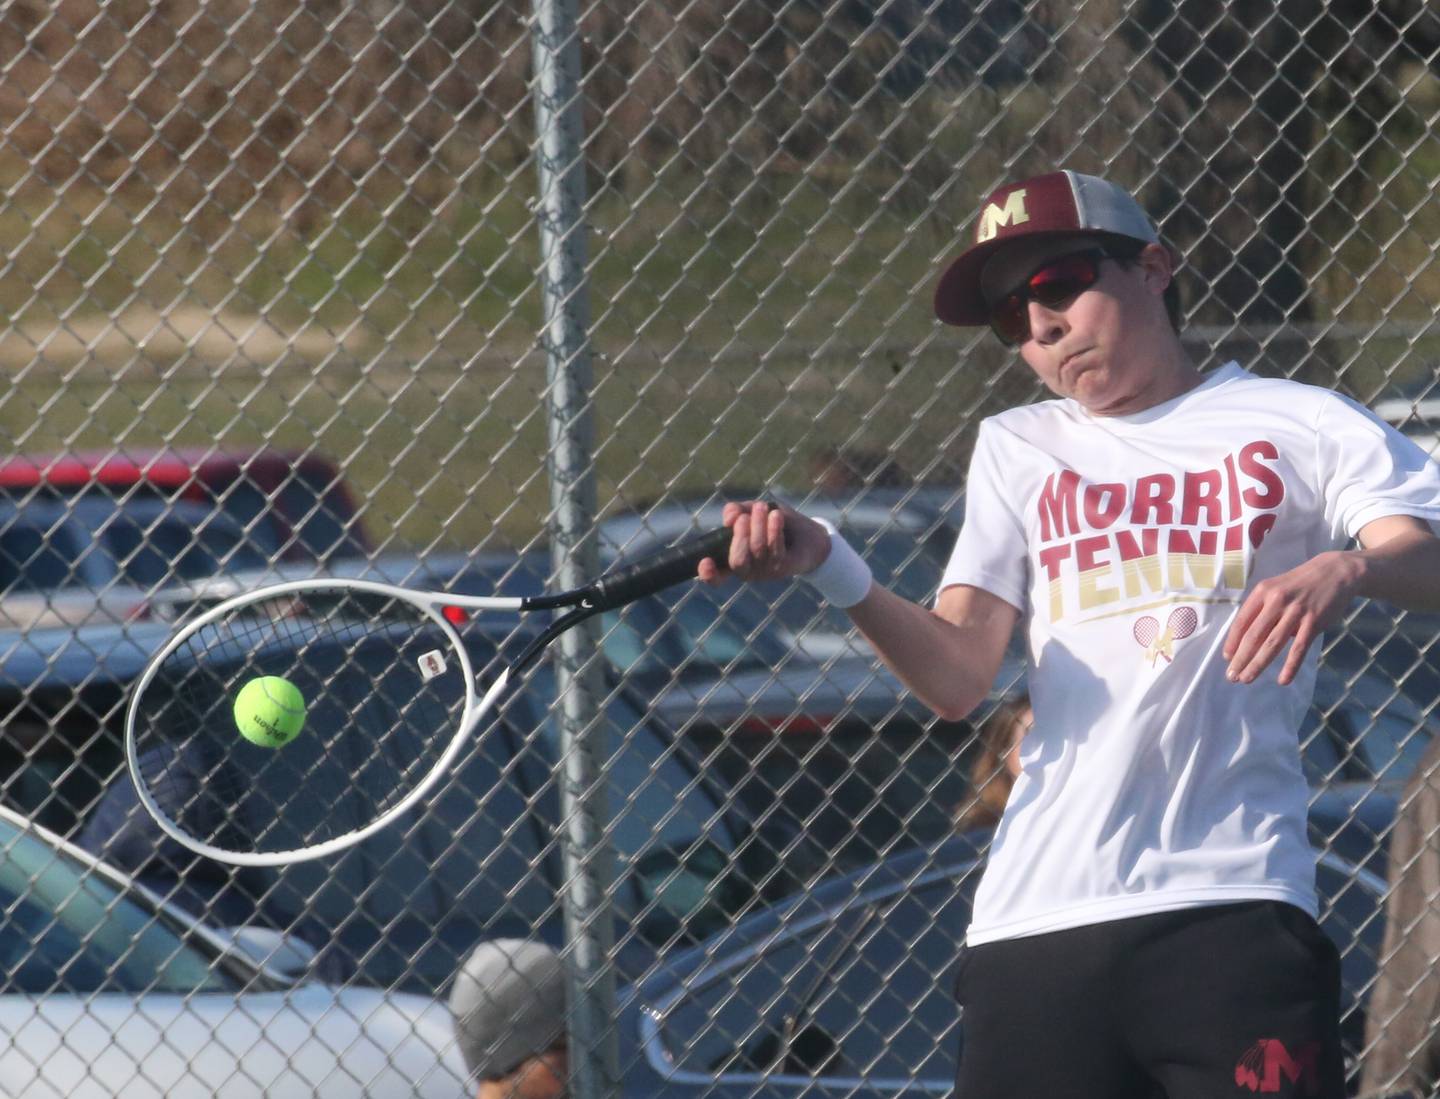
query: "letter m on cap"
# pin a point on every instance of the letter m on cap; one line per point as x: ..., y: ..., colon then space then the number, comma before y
x: 996, y: 216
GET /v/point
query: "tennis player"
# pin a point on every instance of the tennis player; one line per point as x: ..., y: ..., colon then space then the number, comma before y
x: 1174, y: 542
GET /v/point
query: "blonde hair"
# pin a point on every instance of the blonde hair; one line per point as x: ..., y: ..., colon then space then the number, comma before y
x: 990, y: 782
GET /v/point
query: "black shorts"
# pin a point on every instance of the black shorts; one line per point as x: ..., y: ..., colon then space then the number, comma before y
x: 1230, y: 1001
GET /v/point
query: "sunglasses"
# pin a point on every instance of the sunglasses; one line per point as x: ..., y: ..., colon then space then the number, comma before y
x: 1054, y: 284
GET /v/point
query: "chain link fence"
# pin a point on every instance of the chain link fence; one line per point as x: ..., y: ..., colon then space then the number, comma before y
x: 280, y: 294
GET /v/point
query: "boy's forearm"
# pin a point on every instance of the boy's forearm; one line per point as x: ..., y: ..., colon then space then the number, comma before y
x: 1403, y: 570
x: 949, y: 666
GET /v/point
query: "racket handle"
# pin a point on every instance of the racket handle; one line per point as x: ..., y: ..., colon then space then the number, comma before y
x: 661, y: 570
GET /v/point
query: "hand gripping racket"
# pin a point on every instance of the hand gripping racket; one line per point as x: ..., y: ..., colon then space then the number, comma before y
x: 390, y: 699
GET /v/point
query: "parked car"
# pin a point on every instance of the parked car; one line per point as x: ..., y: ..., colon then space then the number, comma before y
x: 108, y: 991
x: 481, y: 858
x: 295, y: 505
x: 95, y: 559
x: 848, y: 989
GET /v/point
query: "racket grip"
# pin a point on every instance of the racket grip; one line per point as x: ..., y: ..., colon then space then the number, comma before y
x: 661, y: 570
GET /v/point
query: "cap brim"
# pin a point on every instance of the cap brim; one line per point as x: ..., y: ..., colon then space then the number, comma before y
x: 957, y: 295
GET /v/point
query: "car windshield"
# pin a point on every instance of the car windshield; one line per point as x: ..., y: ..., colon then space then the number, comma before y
x: 171, y: 548
x: 66, y: 929
x: 866, y: 993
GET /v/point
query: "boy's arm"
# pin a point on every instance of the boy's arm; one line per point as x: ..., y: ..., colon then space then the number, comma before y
x: 1398, y: 561
x: 948, y: 657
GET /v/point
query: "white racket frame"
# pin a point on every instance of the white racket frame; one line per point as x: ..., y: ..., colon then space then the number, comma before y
x: 476, y: 707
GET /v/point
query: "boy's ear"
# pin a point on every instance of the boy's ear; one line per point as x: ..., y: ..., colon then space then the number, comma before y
x: 1158, y: 265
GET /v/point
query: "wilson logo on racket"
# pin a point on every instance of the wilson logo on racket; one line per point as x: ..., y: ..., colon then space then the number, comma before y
x: 1158, y: 642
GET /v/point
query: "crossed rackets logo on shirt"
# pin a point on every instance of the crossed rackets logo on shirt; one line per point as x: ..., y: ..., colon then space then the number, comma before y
x: 1158, y: 642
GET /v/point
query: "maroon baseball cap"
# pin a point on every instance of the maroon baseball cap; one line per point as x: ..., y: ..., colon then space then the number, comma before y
x: 1053, y: 204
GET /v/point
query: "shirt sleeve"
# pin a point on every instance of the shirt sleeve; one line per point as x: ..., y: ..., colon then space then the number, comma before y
x: 1368, y: 470
x: 991, y: 551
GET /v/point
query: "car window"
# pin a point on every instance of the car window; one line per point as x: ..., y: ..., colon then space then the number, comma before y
x: 692, y: 630
x: 1394, y: 650
x: 911, y: 566
x: 1363, y: 730
x: 36, y: 557
x: 293, y: 520
x: 665, y: 803
x: 844, y: 795
x: 1388, y: 743
x: 250, y: 509
x: 64, y: 928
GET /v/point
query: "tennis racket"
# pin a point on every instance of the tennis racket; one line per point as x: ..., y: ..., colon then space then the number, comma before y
x: 390, y: 698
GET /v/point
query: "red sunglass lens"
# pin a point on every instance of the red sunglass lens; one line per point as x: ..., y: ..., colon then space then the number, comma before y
x: 1052, y: 286
x: 1058, y: 282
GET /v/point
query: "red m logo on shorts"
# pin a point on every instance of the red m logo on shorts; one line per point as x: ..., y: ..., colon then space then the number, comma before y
x: 1268, y: 1065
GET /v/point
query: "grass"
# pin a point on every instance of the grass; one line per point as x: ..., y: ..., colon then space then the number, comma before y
x: 740, y: 325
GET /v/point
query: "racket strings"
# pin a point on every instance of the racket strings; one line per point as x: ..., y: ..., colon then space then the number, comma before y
x: 383, y: 690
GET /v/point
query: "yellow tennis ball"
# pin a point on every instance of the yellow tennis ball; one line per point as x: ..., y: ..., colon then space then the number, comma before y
x: 270, y: 711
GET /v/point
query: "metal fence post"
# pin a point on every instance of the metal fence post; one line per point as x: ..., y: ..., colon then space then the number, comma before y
x: 587, y: 858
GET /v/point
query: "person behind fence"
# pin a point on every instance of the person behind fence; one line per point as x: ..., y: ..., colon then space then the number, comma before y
x: 121, y: 832
x: 1402, y: 1018
x: 1175, y: 542
x: 508, y: 1000
x: 996, y: 765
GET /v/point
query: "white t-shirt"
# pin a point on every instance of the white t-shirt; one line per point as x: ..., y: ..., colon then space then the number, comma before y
x: 1151, y: 782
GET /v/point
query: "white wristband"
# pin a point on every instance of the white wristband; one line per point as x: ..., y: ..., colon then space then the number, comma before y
x: 843, y: 578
